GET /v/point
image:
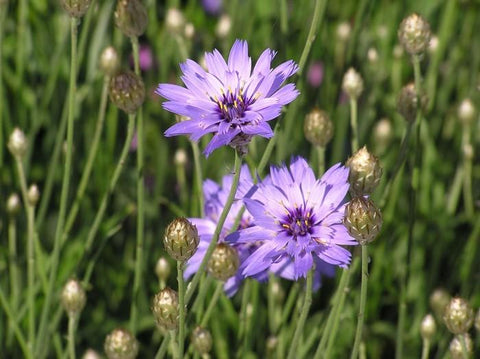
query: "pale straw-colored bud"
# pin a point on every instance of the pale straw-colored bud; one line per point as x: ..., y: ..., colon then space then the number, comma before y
x: 33, y: 195
x: 73, y: 297
x: 439, y: 300
x: 277, y: 292
x: 467, y: 150
x: 344, y: 29
x: 202, y: 340
x: 165, y: 308
x: 189, y: 30
x: 272, y: 343
x: 174, y: 20
x: 127, y: 91
x: 17, y: 143
x: 91, y: 354
x: 180, y: 158
x: 365, y: 172
x: 407, y: 102
x: 13, y: 204
x: 181, y: 239
x: 466, y: 111
x: 162, y: 269
x: 352, y: 83
x: 109, y: 62
x: 458, y: 316
x: 224, y: 262
x: 224, y: 26
x: 428, y: 327
x: 131, y: 17
x: 383, y: 134
x: 414, y: 34
x: 121, y: 344
x: 75, y: 8
x: 318, y: 128
x: 433, y: 45
x: 363, y: 220
x: 456, y: 346
x: 372, y: 55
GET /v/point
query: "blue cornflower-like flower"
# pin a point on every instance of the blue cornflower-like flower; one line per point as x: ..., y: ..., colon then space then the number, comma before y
x: 298, y: 220
x: 230, y: 100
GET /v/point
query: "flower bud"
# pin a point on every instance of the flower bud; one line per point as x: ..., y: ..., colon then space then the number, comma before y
x: 272, y: 344
x: 91, y: 354
x: 352, y: 83
x: 318, y: 128
x: 223, y: 27
x: 17, y: 143
x: 407, y: 102
x: 466, y: 112
x: 75, y: 8
x: 189, y: 30
x: 467, y: 150
x: 121, y: 344
x: 456, y: 347
x: 202, y: 340
x: 33, y: 195
x: 174, y: 20
x: 433, y: 45
x: 397, y: 52
x: 382, y: 134
x: 428, y: 327
x: 180, y: 158
x: 13, y: 204
x: 458, y: 316
x: 363, y: 219
x: 109, y: 62
x: 224, y: 262
x: 162, y: 269
x: 73, y: 298
x: 439, y: 300
x: 372, y: 55
x: 414, y: 34
x: 344, y: 30
x: 276, y: 292
x: 165, y: 308
x: 365, y: 172
x: 127, y: 91
x: 181, y: 239
x: 131, y: 17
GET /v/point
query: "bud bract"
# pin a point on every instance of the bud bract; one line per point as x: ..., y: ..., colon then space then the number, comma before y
x: 165, y: 308
x: 181, y: 239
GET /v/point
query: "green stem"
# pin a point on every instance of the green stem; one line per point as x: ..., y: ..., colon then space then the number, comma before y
x: 218, y: 229
x: 467, y: 173
x: 42, y: 331
x: 163, y: 347
x: 72, y: 323
x: 181, y: 308
x: 212, y: 304
x: 198, y: 176
x: 303, y: 315
x: 140, y: 199
x: 198, y: 304
x: 464, y: 346
x: 425, y: 348
x: 353, y: 123
x: 3, y: 14
x: 321, y: 160
x: 283, y: 17
x: 14, y: 270
x: 363, y: 301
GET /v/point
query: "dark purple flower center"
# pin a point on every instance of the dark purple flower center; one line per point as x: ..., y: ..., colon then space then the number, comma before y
x: 298, y: 222
x: 232, y: 105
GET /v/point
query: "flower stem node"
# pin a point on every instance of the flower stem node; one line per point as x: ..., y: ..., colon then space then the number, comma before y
x: 165, y: 308
x: 365, y: 172
x: 73, y: 298
x: 202, y: 340
x: 109, y: 62
x: 121, y: 344
x: 162, y: 269
x: 352, y: 83
x: 75, y: 8
x: 428, y: 327
x: 181, y: 239
x: 127, y: 91
x: 407, y: 102
x: 363, y: 219
x: 455, y: 348
x: 458, y: 316
x: 318, y: 128
x: 13, y: 204
x: 17, y: 143
x: 414, y: 34
x: 33, y: 195
x: 224, y: 262
x: 131, y: 17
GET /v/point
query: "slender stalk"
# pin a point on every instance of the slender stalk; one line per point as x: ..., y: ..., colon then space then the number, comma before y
x: 303, y: 315
x: 173, y: 345
x: 212, y: 303
x: 198, y: 304
x: 3, y: 14
x: 140, y: 200
x: 13, y: 270
x: 218, y: 229
x: 363, y: 301
x: 321, y: 160
x: 163, y: 347
x: 353, y: 123
x: 283, y: 16
x: 72, y: 324
x: 181, y: 308
x: 425, y: 348
x: 242, y: 325
x: 467, y: 172
x: 198, y: 177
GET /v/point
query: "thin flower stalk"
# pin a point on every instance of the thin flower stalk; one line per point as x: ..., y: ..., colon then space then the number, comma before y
x: 162, y: 350
x: 13, y: 267
x: 198, y: 176
x: 425, y: 348
x: 354, y: 123
x: 72, y: 325
x: 212, y: 303
x: 181, y: 308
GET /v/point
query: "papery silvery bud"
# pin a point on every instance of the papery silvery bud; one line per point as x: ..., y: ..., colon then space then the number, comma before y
x: 372, y: 55
x: 91, y: 354
x: 202, y: 340
x: 456, y: 347
x: 407, y: 103
x: 466, y: 111
x: 382, y: 134
x: 162, y: 269
x: 414, y: 34
x: 13, y: 204
x: 109, y: 62
x: 428, y: 327
x: 224, y: 26
x: 73, y: 297
x: 439, y: 300
x: 174, y: 20
x: 33, y: 195
x: 75, y: 8
x: 131, y: 17
x: 127, y: 91
x: 189, y: 30
x: 433, y: 45
x: 17, y: 143
x: 458, y: 316
x: 352, y: 83
x: 165, y: 308
x: 365, y: 172
x: 181, y: 239
x: 121, y: 344
x: 344, y: 30
x: 318, y: 128
x: 180, y: 158
x: 363, y: 220
x: 224, y: 262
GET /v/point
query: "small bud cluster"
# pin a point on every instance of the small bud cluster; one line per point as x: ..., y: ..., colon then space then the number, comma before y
x: 165, y: 308
x: 224, y: 262
x: 318, y: 128
x: 466, y: 112
x: 131, y: 17
x: 121, y: 344
x: 181, y: 239
x: 202, y: 340
x: 73, y: 298
x: 127, y: 91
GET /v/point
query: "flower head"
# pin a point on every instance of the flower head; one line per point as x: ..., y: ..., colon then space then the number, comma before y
x: 230, y: 100
x: 298, y: 220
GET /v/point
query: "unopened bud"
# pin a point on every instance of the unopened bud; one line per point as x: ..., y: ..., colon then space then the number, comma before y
x: 109, y: 62
x: 318, y: 128
x: 344, y: 30
x: 17, y: 143
x: 365, y: 172
x: 224, y: 26
x: 466, y: 111
x: 13, y: 204
x: 165, y: 308
x: 433, y: 45
x: 180, y: 158
x: 428, y: 327
x: 131, y: 17
x: 414, y: 34
x: 467, y: 150
x: 224, y: 262
x: 202, y: 340
x: 272, y: 343
x: 75, y: 8
x: 127, y: 91
x: 382, y: 133
x: 189, y: 30
x: 73, y: 298
x: 352, y: 83
x: 162, y: 269
x: 456, y: 346
x: 33, y: 195
x: 121, y: 344
x: 397, y: 52
x: 372, y: 55
x: 91, y: 354
x: 277, y: 292
x: 407, y: 103
x: 458, y: 316
x: 363, y: 219
x: 439, y: 300
x: 181, y: 239
x: 174, y: 21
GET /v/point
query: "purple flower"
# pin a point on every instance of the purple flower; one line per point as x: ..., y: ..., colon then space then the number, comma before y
x: 298, y: 220
x: 212, y: 7
x: 315, y: 74
x: 231, y: 101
